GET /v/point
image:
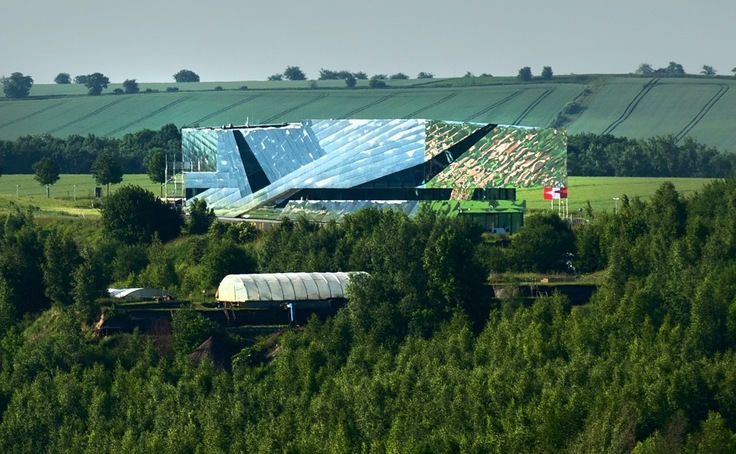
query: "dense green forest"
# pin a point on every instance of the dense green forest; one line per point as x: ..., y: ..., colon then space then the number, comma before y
x: 408, y: 365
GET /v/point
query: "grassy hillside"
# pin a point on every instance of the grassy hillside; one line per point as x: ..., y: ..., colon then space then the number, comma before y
x: 621, y: 105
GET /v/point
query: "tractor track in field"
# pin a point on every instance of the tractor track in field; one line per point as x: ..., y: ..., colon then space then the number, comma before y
x: 703, y: 112
x: 31, y: 115
x: 632, y: 105
x: 85, y: 116
x: 493, y: 106
x: 531, y: 106
x: 369, y: 105
x: 148, y: 115
x: 226, y: 108
x: 292, y: 109
x: 429, y: 106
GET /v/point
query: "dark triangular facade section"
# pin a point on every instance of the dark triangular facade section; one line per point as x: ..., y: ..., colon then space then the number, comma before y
x: 257, y: 178
x: 407, y: 178
x: 440, y: 162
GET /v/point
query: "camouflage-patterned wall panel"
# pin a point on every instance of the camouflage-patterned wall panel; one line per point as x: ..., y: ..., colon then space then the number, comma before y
x: 510, y: 157
x: 441, y: 135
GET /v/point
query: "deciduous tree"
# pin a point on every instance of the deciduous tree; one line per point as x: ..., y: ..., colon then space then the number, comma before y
x: 130, y: 86
x: 133, y: 215
x: 107, y: 170
x: 95, y: 83
x: 525, y: 74
x: 186, y: 75
x: 350, y: 81
x: 294, y: 73
x: 155, y: 162
x: 17, y: 85
x: 644, y: 69
x: 46, y: 172
x: 61, y: 258
x: 200, y: 217
x: 708, y: 71
x: 547, y: 73
x: 63, y: 78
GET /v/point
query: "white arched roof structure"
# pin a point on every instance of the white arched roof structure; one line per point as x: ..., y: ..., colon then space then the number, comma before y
x: 241, y: 288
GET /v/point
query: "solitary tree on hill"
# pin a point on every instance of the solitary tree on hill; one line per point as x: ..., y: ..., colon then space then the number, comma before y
x: 63, y: 78
x: 17, y: 85
x: 186, y: 75
x: 525, y: 74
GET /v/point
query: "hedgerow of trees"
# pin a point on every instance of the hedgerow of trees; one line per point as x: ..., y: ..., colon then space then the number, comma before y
x: 664, y: 156
x: 673, y: 69
x: 420, y: 359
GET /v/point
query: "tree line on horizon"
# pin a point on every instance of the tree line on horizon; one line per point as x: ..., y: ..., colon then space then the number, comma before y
x: 18, y: 85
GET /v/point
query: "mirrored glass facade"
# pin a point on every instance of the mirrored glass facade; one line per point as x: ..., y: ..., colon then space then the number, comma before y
x: 243, y: 168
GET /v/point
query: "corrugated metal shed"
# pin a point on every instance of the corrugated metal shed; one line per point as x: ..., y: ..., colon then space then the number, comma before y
x: 281, y: 287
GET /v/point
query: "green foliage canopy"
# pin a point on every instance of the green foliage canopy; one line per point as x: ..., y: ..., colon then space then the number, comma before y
x: 107, y: 170
x: 95, y: 83
x: 130, y: 86
x: 294, y: 73
x: 17, y: 85
x: 186, y: 75
x: 134, y: 215
x: 46, y: 172
x: 63, y: 79
x: 525, y: 74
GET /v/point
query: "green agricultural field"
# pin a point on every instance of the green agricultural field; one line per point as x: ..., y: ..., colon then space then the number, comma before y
x: 641, y: 107
x: 23, y: 190
x: 631, y: 106
x: 72, y: 195
x: 600, y: 191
